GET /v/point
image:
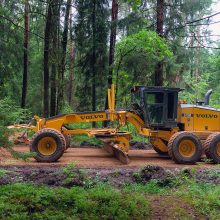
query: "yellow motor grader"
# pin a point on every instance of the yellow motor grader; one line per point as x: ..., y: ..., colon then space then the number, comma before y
x: 183, y: 131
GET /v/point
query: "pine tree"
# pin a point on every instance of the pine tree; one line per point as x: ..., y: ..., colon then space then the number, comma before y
x: 91, y: 42
x: 159, y: 29
x: 26, y: 42
x: 47, y: 34
x: 62, y: 66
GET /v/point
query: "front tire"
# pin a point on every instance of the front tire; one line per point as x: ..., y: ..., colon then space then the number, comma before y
x: 185, y: 148
x: 48, y: 144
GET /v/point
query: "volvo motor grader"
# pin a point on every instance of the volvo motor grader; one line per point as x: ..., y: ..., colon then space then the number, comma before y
x: 182, y: 131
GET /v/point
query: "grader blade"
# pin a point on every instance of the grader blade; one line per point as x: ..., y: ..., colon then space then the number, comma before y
x: 18, y: 138
x: 115, y: 150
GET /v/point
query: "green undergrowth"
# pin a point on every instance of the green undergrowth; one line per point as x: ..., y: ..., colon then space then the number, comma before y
x: 26, y: 201
x: 205, y: 198
x: 3, y: 172
x: 77, y: 140
x: 182, y: 199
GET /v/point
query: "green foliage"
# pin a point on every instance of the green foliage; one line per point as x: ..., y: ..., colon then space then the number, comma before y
x: 133, y: 201
x: 11, y: 58
x: 146, y: 43
x: 135, y: 4
x: 9, y: 114
x: 196, y: 89
x: 135, y: 136
x: 136, y: 54
x: 204, y: 197
x: 69, y: 170
x: 91, y: 31
x: 136, y: 57
x: 101, y: 202
x: 77, y: 140
x: 3, y: 172
x: 151, y: 187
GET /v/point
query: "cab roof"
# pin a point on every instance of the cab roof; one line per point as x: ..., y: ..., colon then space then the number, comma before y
x: 155, y: 89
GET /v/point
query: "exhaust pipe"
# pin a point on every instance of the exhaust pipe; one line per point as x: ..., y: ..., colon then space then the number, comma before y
x: 207, y: 96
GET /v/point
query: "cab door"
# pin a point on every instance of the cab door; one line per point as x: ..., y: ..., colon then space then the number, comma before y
x: 154, y: 107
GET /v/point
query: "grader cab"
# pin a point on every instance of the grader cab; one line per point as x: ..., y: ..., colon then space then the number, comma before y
x: 158, y: 106
x: 181, y: 131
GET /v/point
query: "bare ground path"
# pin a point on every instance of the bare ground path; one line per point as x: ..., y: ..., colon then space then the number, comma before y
x: 99, y: 158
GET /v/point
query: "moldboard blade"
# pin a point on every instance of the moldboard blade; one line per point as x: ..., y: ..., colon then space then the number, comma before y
x: 117, y: 152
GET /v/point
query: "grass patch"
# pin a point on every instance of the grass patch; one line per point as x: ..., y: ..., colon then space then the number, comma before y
x: 3, y: 172
x: 183, y: 196
x: 26, y: 201
x: 204, y: 197
x: 150, y: 188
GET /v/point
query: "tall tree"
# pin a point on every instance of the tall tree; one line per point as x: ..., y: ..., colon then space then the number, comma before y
x: 91, y: 42
x: 60, y: 95
x: 113, y: 33
x: 114, y: 18
x: 159, y: 29
x: 93, y: 60
x: 47, y: 33
x: 54, y: 55
x: 25, y: 60
x: 72, y: 62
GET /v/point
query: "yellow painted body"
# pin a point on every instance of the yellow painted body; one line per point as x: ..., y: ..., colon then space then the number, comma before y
x: 199, y: 118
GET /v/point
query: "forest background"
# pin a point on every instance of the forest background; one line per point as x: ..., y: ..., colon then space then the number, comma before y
x: 59, y: 56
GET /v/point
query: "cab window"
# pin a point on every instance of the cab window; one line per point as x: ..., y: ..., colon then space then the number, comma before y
x: 154, y: 104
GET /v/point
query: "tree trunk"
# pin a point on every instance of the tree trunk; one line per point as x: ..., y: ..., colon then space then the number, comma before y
x: 60, y: 98
x: 72, y: 61
x: 114, y: 19
x: 159, y: 30
x: 26, y: 42
x: 93, y: 64
x: 54, y: 56
x: 197, y: 56
x: 46, y: 58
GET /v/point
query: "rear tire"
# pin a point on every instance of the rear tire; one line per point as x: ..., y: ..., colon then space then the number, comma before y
x: 185, y: 148
x: 159, y: 151
x: 48, y: 144
x: 212, y: 147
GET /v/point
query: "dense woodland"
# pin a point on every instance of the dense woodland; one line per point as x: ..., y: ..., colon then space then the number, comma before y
x: 61, y: 55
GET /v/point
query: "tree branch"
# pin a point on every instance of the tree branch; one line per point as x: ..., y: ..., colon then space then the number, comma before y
x: 8, y: 19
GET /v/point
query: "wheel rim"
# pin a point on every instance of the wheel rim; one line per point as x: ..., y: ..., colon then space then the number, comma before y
x: 187, y: 148
x: 47, y: 146
x: 218, y: 148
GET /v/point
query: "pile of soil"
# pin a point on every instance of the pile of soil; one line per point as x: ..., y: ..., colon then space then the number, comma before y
x: 208, y: 176
x: 140, y: 146
x: 67, y: 177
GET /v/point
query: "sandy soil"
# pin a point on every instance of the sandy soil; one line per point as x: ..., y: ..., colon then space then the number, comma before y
x: 99, y: 158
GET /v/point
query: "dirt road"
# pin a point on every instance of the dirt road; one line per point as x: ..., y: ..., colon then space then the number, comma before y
x: 99, y: 158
